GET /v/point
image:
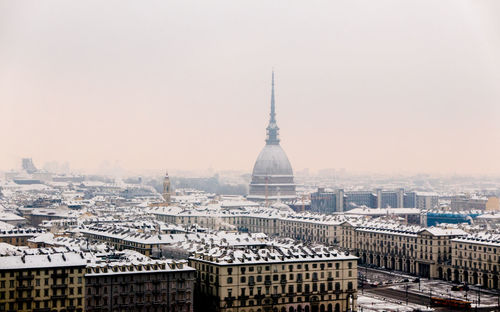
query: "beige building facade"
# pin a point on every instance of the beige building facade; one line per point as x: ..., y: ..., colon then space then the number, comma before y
x: 276, y: 279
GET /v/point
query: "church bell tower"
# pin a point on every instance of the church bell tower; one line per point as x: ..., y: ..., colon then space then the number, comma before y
x: 166, y: 188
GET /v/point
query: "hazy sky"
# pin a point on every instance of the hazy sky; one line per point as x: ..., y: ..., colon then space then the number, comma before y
x: 383, y: 86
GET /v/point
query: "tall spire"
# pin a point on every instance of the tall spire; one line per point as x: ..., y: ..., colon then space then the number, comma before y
x: 272, y: 128
x: 273, y: 108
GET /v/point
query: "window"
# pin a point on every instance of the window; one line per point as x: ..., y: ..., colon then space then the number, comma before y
x: 229, y: 280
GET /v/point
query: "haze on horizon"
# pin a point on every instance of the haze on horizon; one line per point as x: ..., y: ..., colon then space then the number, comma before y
x: 381, y: 86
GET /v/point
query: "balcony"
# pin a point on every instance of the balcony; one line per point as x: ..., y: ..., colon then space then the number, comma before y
x: 24, y: 287
x: 229, y: 301
x: 25, y: 277
x: 267, y: 283
x: 251, y: 283
x: 58, y: 297
x: 59, y: 275
x: 60, y: 286
x: 27, y: 299
x: 282, y: 281
x: 259, y: 297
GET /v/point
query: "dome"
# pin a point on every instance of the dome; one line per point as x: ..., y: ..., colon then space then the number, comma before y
x: 272, y: 161
x: 281, y: 207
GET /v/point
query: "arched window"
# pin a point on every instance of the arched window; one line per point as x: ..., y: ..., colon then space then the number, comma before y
x: 229, y: 280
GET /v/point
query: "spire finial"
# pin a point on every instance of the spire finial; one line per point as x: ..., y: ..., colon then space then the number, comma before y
x: 272, y: 128
x: 273, y: 108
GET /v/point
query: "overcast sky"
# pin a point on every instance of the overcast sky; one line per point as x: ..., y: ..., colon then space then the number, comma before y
x: 383, y: 86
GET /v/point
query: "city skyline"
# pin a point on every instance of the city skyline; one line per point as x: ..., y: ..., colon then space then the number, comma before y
x: 411, y: 88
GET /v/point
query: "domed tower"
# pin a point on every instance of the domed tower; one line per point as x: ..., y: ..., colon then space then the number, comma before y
x: 272, y: 176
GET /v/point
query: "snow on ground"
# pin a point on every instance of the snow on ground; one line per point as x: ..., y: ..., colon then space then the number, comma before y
x: 442, y: 289
x: 369, y: 303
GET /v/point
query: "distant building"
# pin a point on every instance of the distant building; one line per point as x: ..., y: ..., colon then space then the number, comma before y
x: 390, y: 199
x: 410, y: 200
x: 272, y: 176
x: 461, y: 203
x: 360, y: 198
x: 327, y: 201
x: 493, y: 204
x: 28, y: 165
x: 339, y: 201
x: 166, y: 189
x: 435, y: 218
x: 18, y: 237
x: 426, y: 200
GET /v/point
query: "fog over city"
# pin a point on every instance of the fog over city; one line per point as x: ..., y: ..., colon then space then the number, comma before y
x: 365, y: 86
x: 250, y: 156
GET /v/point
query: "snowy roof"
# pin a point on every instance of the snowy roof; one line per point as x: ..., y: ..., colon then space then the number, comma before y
x: 21, y: 232
x: 271, y: 254
x: 383, y: 211
x: 137, y: 267
x: 6, y: 217
x: 69, y: 259
x: 483, y: 238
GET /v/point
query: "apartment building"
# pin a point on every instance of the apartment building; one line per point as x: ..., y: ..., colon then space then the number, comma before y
x: 139, y: 286
x: 475, y: 260
x: 281, y: 278
x: 411, y: 249
x: 18, y: 237
x: 431, y: 252
x: 42, y: 282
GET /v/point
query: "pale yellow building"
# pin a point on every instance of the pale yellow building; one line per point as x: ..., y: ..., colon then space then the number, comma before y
x: 42, y: 282
x: 280, y: 278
